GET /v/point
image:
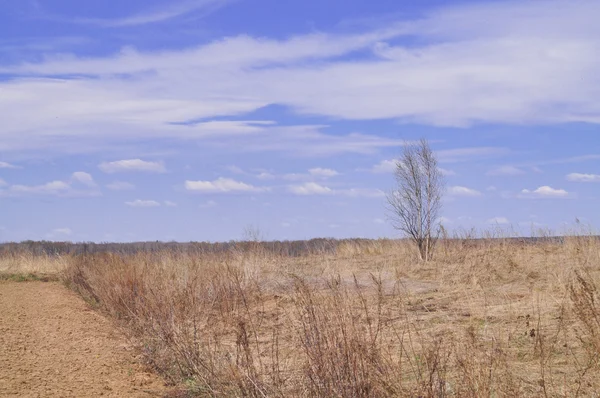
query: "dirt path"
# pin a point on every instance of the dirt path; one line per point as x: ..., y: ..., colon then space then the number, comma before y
x: 52, y: 344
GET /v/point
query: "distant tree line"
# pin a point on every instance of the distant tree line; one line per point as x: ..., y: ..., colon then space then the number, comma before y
x: 296, y: 248
x: 285, y: 248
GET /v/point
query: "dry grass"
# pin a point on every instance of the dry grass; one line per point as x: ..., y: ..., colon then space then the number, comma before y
x: 486, y: 318
x: 25, y: 265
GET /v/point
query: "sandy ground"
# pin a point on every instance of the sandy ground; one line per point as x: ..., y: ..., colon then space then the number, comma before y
x: 53, y: 345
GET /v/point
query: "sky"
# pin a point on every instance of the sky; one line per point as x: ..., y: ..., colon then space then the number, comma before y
x: 198, y: 119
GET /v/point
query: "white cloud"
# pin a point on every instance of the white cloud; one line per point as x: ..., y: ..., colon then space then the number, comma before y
x: 53, y: 188
x: 498, y: 221
x: 462, y: 191
x: 3, y: 183
x: 385, y: 166
x: 83, y: 178
x: 132, y: 165
x: 221, y: 185
x: 321, y: 172
x: 516, y: 68
x: 68, y: 188
x: 235, y: 169
x: 143, y: 203
x: 444, y: 220
x: 120, y: 186
x: 208, y: 204
x: 312, y: 174
x: 544, y: 192
x: 4, y: 165
x: 578, y: 177
x: 295, y: 177
x: 378, y: 221
x: 491, y: 188
x: 310, y: 188
x: 505, y: 171
x: 361, y: 192
x: 313, y: 188
x: 265, y: 176
x: 446, y: 172
x: 168, y: 203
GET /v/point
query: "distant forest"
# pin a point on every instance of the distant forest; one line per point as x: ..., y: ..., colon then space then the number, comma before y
x: 284, y: 248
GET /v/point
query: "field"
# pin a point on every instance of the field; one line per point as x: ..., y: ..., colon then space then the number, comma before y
x: 485, y: 318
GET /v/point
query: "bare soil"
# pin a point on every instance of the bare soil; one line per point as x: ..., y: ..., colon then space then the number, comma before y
x: 52, y: 344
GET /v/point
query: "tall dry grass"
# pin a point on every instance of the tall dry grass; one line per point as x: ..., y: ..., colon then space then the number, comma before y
x: 487, y: 318
x: 24, y: 262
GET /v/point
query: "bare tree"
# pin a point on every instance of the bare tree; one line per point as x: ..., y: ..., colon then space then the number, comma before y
x: 415, y: 204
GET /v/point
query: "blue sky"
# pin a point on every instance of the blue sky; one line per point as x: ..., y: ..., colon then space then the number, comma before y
x: 193, y: 119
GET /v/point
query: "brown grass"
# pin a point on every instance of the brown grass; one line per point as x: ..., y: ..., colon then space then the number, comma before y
x: 19, y: 262
x: 486, y: 318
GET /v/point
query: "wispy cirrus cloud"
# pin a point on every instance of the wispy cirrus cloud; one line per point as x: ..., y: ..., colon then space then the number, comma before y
x: 83, y: 178
x: 361, y: 192
x: 446, y: 172
x: 51, y: 188
x: 310, y: 188
x: 322, y: 172
x: 313, y: 188
x: 462, y: 74
x: 208, y: 204
x: 156, y: 15
x: 579, y: 177
x: 305, y: 141
x: 458, y: 190
x: 221, y: 185
x: 506, y: 170
x: 544, y: 192
x: 80, y: 184
x: 385, y: 166
x: 143, y: 203
x: 316, y: 173
x: 265, y: 175
x: 5, y: 165
x: 129, y: 165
